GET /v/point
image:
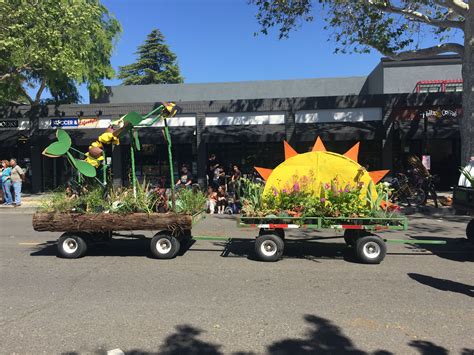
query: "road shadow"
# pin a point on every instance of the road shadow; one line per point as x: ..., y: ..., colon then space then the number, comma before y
x: 455, y: 249
x: 138, y: 246
x: 322, y: 336
x: 294, y: 249
x: 428, y: 348
x: 443, y: 284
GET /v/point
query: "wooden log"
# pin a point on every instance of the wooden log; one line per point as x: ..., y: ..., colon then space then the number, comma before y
x: 105, y: 222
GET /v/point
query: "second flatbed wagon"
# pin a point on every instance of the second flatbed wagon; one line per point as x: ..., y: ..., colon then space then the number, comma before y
x: 361, y: 234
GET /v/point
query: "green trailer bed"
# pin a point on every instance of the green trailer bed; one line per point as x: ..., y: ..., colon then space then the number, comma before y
x: 359, y: 234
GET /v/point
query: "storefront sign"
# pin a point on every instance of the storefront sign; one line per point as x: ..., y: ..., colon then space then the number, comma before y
x: 64, y: 122
x: 432, y: 114
x: 8, y: 124
x: 20, y: 124
x: 441, y: 114
x: 227, y: 119
x: 88, y: 122
x: 74, y: 123
x: 340, y: 115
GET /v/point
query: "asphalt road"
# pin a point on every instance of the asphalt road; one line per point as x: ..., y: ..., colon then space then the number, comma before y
x: 214, y: 298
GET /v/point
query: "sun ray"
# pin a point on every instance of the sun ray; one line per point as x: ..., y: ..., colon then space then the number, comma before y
x: 378, y: 175
x: 289, y: 151
x: 264, y: 172
x: 319, y: 146
x: 353, y: 153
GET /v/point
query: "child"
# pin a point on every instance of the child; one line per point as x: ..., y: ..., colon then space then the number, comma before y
x: 211, y: 200
x: 221, y: 200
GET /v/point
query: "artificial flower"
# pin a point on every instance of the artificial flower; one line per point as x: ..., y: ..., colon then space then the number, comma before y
x: 108, y: 138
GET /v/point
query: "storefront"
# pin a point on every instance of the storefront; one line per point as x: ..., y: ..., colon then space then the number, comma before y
x: 430, y: 132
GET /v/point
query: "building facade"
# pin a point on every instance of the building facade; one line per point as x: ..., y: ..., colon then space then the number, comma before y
x: 244, y: 123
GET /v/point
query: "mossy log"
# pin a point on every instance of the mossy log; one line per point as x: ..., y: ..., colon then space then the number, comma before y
x: 104, y: 222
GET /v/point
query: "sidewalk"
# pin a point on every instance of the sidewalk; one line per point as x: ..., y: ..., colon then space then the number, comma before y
x: 29, y: 204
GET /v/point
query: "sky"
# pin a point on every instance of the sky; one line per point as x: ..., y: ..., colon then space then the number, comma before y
x: 214, y: 42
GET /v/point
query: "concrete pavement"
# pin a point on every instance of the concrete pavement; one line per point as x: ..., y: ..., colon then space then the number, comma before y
x: 214, y: 298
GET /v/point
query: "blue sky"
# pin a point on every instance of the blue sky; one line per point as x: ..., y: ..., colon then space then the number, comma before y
x: 214, y: 41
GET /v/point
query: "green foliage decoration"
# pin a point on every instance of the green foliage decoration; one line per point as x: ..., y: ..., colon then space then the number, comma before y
x: 190, y: 202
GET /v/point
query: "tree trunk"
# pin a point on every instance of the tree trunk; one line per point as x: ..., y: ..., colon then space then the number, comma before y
x: 103, y: 222
x: 467, y: 121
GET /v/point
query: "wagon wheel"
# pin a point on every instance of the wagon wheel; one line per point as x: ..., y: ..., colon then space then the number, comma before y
x: 470, y: 230
x: 370, y: 249
x: 269, y: 247
x: 164, y: 245
x: 71, y: 246
x: 351, y: 236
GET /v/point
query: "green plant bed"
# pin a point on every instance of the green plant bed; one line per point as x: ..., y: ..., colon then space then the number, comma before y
x: 124, y: 200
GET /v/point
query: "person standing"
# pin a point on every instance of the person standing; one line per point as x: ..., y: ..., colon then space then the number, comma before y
x: 17, y: 176
x: 6, y: 182
x: 235, y: 180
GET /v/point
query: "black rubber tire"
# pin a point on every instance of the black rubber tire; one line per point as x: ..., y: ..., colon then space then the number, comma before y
x: 470, y: 230
x: 351, y: 236
x: 164, y: 246
x: 275, y: 246
x: 370, y: 249
x: 71, y: 246
x: 280, y: 232
x: 419, y: 197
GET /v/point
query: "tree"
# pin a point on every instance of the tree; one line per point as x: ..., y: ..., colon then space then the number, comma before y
x: 393, y: 28
x: 54, y: 45
x: 156, y: 64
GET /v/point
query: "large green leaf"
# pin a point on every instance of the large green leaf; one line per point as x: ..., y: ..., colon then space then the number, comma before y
x: 134, y: 118
x: 63, y: 137
x: 56, y: 149
x: 85, y: 168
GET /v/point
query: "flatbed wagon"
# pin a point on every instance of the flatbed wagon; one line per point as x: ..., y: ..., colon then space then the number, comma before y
x: 361, y: 234
x: 82, y: 230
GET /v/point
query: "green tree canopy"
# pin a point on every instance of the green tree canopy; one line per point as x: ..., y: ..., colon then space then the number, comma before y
x: 54, y: 45
x: 156, y: 64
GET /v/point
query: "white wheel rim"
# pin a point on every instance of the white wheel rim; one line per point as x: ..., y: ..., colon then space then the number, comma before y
x: 163, y: 246
x: 371, y: 250
x: 70, y: 245
x: 268, y: 248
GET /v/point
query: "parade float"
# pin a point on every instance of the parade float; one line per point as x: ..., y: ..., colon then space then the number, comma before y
x: 322, y: 190
x: 90, y: 209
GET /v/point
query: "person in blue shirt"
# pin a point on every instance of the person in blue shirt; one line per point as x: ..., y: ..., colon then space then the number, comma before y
x: 6, y: 183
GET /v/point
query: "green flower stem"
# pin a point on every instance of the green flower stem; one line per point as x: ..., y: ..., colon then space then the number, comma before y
x: 132, y: 158
x: 104, y: 168
x: 170, y: 158
x: 77, y: 151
